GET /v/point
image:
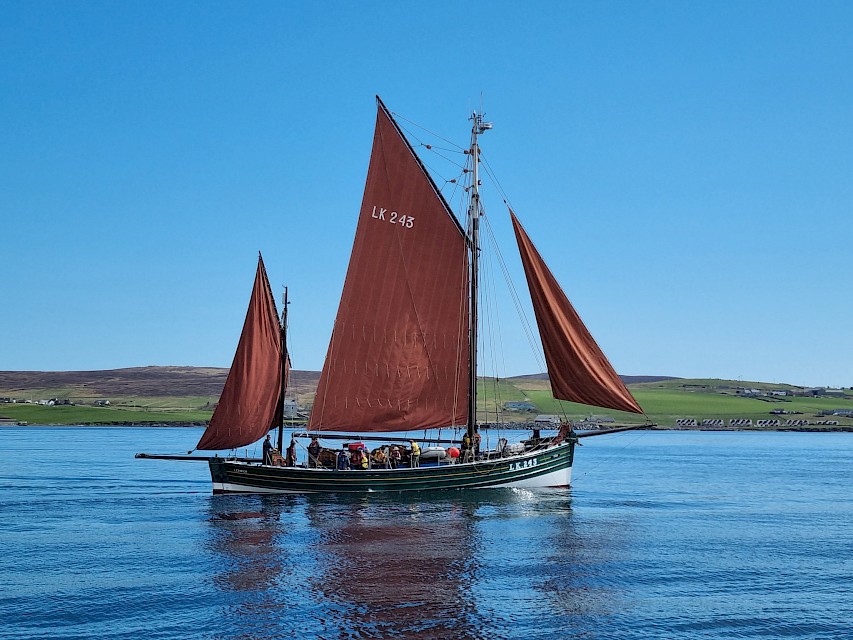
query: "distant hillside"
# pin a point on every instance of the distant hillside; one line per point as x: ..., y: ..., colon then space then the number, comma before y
x: 142, y: 382
x: 187, y: 395
x: 158, y: 382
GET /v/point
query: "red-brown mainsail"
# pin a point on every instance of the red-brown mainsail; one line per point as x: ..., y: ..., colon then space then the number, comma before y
x: 251, y: 400
x: 398, y: 357
x: 578, y: 369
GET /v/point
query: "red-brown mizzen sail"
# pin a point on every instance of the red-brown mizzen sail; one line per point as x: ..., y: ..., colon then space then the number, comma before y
x: 579, y: 370
x: 398, y: 357
x: 251, y: 399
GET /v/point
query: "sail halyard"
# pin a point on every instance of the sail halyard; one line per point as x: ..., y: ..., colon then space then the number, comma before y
x: 394, y: 358
x: 251, y: 398
x: 577, y: 367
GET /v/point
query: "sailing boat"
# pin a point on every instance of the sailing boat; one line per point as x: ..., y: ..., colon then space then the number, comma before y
x: 402, y: 355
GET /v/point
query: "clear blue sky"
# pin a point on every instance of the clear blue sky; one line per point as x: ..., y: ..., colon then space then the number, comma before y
x: 686, y: 168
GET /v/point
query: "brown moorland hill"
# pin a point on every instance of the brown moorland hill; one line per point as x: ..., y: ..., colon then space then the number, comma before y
x: 135, y: 381
x: 185, y: 382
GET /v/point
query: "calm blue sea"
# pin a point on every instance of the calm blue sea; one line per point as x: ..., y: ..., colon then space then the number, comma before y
x: 664, y: 535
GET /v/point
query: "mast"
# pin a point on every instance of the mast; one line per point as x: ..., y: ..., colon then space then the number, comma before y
x: 283, y: 369
x: 474, y: 215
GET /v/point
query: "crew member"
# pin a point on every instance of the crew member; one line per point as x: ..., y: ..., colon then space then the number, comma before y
x: 313, y: 453
x: 290, y: 455
x: 396, y: 457
x: 466, y: 448
x: 416, y: 454
x: 343, y: 460
x: 359, y: 460
x: 268, y: 450
x: 380, y: 460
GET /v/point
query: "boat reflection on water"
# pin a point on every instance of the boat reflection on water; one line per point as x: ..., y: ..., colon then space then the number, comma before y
x: 400, y: 567
x: 247, y: 538
x: 439, y: 566
x: 578, y: 584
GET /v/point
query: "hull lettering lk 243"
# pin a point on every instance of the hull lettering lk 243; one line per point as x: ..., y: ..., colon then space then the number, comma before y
x: 523, y: 464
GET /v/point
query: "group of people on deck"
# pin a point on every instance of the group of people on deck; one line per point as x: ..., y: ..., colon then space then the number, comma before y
x: 361, y: 458
x: 384, y: 457
x: 272, y: 455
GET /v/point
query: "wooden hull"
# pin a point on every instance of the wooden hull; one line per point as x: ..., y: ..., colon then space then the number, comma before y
x: 551, y: 467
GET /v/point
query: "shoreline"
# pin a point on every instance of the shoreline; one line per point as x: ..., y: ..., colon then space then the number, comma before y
x: 182, y: 425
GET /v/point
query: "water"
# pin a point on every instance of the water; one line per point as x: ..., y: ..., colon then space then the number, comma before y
x: 664, y: 535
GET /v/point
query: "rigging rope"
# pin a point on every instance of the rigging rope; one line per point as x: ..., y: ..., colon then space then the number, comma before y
x: 526, y: 325
x: 463, y: 179
x: 399, y: 117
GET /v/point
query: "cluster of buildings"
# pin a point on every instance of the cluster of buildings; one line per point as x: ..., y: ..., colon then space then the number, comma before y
x: 746, y: 423
x: 52, y: 402
x: 812, y: 392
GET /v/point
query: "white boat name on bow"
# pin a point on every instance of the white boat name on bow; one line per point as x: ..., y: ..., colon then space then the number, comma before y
x: 523, y: 464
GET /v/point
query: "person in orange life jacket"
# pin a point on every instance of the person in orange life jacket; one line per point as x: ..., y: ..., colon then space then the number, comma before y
x: 379, y: 459
x: 477, y: 440
x: 416, y: 454
x: 359, y: 460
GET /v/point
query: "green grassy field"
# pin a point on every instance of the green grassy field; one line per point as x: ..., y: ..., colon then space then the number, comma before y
x: 492, y: 393
x: 664, y: 402
x: 670, y: 400
x: 37, y: 414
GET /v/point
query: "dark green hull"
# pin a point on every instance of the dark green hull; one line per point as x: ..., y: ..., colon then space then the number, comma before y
x: 549, y: 467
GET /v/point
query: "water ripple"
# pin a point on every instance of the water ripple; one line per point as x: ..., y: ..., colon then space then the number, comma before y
x: 677, y: 536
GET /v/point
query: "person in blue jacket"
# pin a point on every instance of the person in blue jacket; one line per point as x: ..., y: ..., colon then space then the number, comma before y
x: 343, y: 460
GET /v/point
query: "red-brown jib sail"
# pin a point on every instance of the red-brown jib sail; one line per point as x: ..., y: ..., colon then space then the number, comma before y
x: 398, y: 357
x: 578, y: 369
x: 251, y: 400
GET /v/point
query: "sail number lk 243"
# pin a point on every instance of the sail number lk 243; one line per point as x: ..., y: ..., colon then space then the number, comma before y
x: 379, y: 213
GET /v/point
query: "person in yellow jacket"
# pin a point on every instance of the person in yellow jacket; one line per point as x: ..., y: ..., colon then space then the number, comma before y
x: 359, y: 459
x: 467, y: 453
x: 416, y: 454
x: 380, y: 460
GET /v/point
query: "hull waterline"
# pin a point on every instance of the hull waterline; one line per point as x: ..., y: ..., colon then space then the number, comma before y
x: 551, y: 467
